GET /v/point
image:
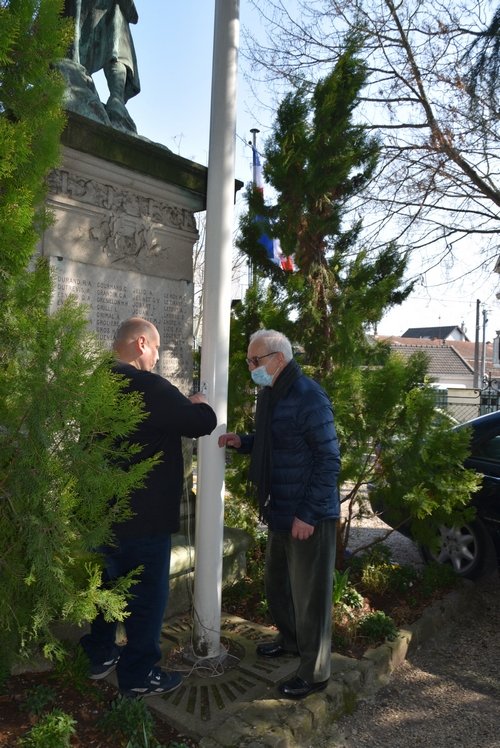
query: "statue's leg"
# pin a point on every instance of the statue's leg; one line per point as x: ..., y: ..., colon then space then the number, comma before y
x: 116, y: 77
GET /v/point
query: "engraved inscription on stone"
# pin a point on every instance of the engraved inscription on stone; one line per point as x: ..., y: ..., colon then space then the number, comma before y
x: 113, y: 295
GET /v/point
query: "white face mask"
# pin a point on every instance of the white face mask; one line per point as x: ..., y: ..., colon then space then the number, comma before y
x: 261, y: 377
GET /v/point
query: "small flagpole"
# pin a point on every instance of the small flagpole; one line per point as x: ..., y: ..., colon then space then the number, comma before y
x: 254, y: 132
x: 252, y: 273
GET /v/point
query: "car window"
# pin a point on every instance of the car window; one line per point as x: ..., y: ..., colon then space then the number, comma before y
x: 489, y: 449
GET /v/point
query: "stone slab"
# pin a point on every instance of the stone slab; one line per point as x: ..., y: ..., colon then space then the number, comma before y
x: 112, y: 295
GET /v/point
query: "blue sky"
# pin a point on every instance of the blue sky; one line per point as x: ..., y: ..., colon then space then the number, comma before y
x: 174, y: 49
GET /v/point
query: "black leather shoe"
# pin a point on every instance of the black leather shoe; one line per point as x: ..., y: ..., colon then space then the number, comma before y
x: 298, y: 688
x: 272, y: 649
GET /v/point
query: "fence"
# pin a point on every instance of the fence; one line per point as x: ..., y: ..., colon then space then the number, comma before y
x: 464, y: 408
x: 464, y: 405
x: 490, y: 395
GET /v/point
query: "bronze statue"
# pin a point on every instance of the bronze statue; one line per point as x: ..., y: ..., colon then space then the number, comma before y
x: 103, y: 42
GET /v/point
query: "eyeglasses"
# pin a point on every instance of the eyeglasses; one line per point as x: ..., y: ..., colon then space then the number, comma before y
x: 254, y: 360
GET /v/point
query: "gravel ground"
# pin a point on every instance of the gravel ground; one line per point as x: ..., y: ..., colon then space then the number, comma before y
x: 370, y: 528
x: 447, y: 693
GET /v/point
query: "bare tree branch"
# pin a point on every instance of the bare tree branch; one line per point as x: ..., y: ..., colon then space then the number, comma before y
x: 439, y: 175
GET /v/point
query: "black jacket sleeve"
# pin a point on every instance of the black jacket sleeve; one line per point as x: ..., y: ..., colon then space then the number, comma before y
x: 174, y: 412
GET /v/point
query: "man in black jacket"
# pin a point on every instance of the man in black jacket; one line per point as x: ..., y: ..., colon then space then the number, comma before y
x: 145, y: 539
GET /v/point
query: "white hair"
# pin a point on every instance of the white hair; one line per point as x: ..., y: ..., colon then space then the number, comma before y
x: 274, y: 341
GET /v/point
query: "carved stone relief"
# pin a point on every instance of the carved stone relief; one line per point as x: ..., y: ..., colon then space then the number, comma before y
x: 126, y: 226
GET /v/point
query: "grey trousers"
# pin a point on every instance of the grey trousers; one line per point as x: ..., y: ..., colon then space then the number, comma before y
x: 299, y: 586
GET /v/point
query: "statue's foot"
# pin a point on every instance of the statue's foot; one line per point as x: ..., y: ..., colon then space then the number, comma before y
x: 118, y: 115
x: 80, y: 95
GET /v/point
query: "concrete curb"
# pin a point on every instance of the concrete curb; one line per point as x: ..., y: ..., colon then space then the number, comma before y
x: 279, y: 723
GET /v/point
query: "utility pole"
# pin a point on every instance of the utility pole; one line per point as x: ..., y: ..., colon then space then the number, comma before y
x: 476, y: 347
x: 483, y: 352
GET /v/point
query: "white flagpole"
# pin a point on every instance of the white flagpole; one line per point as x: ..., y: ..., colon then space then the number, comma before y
x: 216, y: 322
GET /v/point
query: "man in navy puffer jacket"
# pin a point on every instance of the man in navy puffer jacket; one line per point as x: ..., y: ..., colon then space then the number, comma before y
x: 295, y: 464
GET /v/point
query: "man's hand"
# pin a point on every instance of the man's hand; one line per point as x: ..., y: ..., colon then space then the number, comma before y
x: 230, y: 440
x: 301, y: 530
x: 198, y: 397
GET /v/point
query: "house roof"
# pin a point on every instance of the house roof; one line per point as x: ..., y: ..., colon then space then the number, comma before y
x: 444, y: 361
x: 441, y: 332
x: 463, y: 350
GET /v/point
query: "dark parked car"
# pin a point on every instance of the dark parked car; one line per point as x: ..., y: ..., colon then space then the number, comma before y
x: 471, y: 547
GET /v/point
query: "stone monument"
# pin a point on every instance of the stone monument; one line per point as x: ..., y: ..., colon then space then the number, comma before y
x: 124, y: 229
x: 122, y: 239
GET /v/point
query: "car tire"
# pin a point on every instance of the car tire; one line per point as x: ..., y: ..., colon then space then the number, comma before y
x: 465, y: 548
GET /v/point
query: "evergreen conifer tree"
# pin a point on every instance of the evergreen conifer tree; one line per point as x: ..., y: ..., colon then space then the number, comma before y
x: 318, y: 160
x: 32, y: 37
x: 64, y: 418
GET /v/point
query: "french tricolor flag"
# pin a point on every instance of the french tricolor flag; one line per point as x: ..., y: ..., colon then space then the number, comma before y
x: 272, y: 246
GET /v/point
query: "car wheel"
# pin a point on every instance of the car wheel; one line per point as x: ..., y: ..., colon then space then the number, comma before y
x: 465, y: 548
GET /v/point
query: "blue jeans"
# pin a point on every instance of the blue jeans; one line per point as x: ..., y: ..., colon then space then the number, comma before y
x: 146, y: 607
